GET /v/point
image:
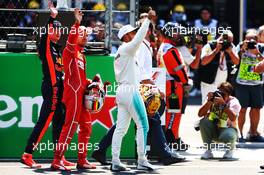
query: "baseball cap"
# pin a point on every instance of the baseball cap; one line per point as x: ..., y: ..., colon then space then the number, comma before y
x: 124, y: 30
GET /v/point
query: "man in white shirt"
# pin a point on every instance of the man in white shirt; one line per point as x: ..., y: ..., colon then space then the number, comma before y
x: 144, y: 58
x: 156, y: 134
x: 217, y: 63
x: 128, y: 99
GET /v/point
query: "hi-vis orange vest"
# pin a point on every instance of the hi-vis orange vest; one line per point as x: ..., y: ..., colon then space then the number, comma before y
x: 175, y: 66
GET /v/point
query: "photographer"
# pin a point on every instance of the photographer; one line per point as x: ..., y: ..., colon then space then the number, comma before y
x: 217, y: 59
x: 260, y: 66
x: 219, y: 123
x: 261, y: 34
x: 249, y: 89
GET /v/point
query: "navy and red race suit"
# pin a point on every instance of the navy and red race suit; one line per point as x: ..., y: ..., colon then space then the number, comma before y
x: 52, y: 90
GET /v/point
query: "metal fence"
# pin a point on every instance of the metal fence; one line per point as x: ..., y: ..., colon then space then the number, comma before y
x: 107, y: 16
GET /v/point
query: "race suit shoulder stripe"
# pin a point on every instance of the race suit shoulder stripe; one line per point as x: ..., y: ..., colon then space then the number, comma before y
x: 50, y: 63
x: 176, y: 57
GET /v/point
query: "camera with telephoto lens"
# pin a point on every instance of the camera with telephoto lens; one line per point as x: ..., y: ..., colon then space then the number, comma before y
x: 226, y: 42
x: 251, y: 44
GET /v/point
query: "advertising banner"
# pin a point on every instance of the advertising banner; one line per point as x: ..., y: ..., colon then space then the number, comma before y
x: 20, y: 102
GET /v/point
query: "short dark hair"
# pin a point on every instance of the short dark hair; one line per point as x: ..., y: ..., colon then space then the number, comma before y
x: 206, y: 8
x: 226, y: 87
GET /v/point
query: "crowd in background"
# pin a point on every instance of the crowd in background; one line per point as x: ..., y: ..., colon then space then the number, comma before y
x: 229, y: 66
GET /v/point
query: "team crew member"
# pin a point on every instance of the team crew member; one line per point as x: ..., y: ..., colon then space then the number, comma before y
x: 175, y: 57
x: 52, y: 89
x: 156, y: 134
x: 129, y: 102
x: 74, y: 87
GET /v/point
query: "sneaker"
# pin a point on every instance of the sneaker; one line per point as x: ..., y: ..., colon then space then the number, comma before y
x: 179, y: 145
x: 85, y: 164
x: 28, y: 160
x: 100, y: 157
x: 228, y: 154
x: 66, y: 162
x: 178, y: 156
x: 118, y: 167
x: 58, y: 165
x: 145, y: 165
x: 172, y: 160
x: 207, y: 155
x: 257, y: 138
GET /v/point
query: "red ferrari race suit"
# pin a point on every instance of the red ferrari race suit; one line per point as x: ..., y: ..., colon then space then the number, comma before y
x: 74, y: 85
x: 176, y: 78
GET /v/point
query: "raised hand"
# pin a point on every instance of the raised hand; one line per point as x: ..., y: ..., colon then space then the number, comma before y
x: 78, y: 15
x: 152, y: 14
x: 53, y: 10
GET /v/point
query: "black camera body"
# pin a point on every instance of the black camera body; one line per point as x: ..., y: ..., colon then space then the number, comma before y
x: 225, y: 43
x: 190, y: 40
x: 188, y: 36
x: 252, y: 44
x: 216, y: 94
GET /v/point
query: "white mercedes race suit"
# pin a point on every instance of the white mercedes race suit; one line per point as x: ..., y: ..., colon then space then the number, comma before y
x: 129, y: 102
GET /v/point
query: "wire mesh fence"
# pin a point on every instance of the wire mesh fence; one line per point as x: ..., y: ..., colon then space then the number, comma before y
x: 105, y: 17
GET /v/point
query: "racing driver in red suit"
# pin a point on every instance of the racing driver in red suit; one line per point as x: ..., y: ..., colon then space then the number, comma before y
x: 75, y: 84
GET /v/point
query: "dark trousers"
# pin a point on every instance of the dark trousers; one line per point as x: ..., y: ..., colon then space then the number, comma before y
x: 52, y: 109
x: 156, y: 135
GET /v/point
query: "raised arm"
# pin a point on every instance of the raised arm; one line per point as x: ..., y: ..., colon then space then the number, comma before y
x: 44, y: 35
x: 74, y: 32
x: 53, y: 15
x: 196, y: 62
x: 208, y: 57
x: 233, y: 55
x: 134, y: 44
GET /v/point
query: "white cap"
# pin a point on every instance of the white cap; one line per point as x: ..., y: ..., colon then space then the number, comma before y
x: 124, y: 30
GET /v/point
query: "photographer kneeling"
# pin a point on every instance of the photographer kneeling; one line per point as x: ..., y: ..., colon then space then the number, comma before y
x: 220, y: 120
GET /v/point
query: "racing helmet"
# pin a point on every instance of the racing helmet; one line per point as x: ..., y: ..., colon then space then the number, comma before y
x: 151, y: 98
x: 94, y: 95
